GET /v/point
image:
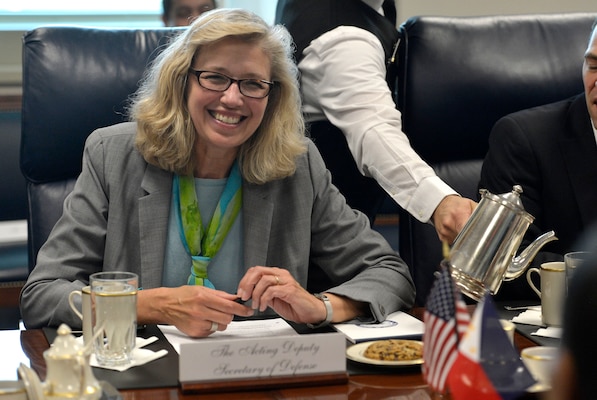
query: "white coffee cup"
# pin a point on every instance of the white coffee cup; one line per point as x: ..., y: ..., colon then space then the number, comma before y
x: 540, y: 361
x: 114, y: 298
x: 553, y: 291
x: 85, y: 313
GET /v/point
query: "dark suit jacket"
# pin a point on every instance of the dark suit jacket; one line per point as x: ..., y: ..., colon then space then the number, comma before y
x: 551, y: 152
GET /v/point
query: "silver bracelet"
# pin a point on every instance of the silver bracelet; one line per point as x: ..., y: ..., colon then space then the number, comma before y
x: 329, y: 311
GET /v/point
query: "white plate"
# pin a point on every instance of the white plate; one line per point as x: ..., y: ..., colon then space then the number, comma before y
x: 355, y: 353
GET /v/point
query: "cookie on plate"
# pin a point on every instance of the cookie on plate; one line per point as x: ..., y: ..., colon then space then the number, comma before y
x: 394, y: 350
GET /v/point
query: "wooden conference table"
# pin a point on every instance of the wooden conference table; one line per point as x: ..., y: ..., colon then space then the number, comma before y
x: 376, y: 383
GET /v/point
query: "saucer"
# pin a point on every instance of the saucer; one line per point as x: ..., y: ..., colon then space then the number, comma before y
x: 539, y: 388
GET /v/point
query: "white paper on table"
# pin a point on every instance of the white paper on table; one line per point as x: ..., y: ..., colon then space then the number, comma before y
x: 235, y: 330
x: 397, y: 325
x: 550, y: 332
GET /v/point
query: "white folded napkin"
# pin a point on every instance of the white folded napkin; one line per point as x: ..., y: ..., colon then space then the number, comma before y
x: 139, y: 356
x: 532, y: 316
x: 551, y: 332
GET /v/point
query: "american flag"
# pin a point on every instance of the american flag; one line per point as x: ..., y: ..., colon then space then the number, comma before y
x: 446, y: 319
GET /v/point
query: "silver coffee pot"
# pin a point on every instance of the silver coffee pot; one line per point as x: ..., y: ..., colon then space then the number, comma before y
x: 484, y: 252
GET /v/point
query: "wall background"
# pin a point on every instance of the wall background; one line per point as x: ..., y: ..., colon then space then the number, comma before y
x: 10, y: 40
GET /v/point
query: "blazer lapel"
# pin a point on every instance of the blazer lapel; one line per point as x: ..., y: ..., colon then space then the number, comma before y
x: 154, y: 210
x: 257, y: 214
x: 579, y: 151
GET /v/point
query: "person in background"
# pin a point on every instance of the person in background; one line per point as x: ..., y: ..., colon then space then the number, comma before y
x: 212, y: 194
x: 343, y: 48
x: 574, y: 375
x: 182, y: 12
x: 551, y: 152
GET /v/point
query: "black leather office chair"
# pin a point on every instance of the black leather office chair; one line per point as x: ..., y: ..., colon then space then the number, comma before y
x: 457, y: 77
x: 13, y: 200
x: 74, y: 81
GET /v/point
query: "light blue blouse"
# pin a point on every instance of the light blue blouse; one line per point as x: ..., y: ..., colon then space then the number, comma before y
x: 226, y: 268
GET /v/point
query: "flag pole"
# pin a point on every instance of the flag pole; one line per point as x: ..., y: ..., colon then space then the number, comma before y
x: 445, y: 250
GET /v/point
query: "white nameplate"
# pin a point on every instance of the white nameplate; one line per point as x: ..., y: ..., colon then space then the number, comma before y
x: 230, y: 359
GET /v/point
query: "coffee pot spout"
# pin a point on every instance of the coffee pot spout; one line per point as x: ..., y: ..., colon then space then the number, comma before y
x: 520, y: 263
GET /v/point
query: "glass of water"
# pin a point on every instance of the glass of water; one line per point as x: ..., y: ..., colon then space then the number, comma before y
x: 114, y: 300
x: 572, y: 261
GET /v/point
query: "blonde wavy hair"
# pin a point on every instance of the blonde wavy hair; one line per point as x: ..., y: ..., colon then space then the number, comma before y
x: 165, y: 133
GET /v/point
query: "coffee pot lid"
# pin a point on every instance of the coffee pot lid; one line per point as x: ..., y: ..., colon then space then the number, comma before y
x: 65, y: 345
x: 510, y: 199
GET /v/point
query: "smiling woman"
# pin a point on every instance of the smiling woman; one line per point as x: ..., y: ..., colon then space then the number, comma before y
x: 220, y: 195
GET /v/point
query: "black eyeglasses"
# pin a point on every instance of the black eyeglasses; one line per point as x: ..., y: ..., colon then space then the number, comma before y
x: 254, y: 88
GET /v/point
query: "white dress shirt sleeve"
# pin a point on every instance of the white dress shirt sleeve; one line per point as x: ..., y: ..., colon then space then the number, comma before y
x: 343, y: 80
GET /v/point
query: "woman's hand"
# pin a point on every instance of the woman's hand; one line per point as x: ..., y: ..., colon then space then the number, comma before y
x: 197, y: 311
x: 276, y: 288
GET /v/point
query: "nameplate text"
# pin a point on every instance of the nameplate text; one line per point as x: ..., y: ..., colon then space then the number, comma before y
x: 230, y: 359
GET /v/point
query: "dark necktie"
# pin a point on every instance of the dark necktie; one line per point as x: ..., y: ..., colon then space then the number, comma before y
x: 389, y: 10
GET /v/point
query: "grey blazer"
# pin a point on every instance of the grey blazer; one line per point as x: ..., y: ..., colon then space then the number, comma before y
x: 116, y: 218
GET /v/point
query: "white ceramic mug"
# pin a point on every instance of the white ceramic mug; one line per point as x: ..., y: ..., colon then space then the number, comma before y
x: 114, y: 298
x: 85, y: 313
x: 540, y: 361
x: 553, y: 291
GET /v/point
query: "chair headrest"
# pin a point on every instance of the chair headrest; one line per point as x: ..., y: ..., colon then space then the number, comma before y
x: 76, y: 80
x: 459, y: 75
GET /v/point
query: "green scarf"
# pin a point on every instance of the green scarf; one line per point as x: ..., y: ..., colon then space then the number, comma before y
x: 201, y: 243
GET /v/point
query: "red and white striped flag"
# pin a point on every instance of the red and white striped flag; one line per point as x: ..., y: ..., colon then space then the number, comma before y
x: 446, y: 320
